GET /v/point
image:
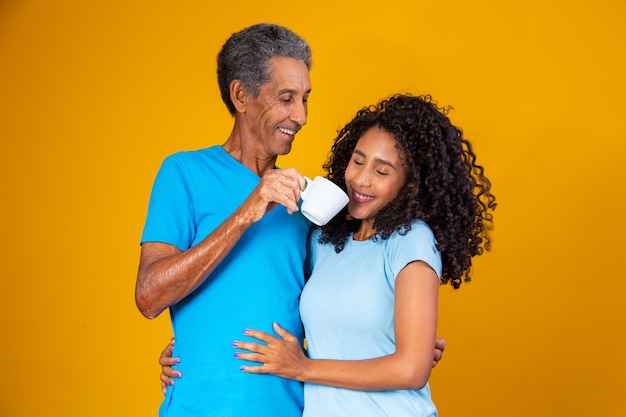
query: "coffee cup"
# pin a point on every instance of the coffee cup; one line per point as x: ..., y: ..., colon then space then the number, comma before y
x: 322, y: 199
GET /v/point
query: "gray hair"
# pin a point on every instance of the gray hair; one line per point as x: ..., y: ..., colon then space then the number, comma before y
x: 246, y: 57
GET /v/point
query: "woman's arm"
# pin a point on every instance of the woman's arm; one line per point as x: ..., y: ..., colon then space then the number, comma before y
x: 408, y: 367
x: 167, y: 361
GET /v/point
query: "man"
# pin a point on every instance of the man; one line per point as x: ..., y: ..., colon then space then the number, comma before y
x: 221, y: 246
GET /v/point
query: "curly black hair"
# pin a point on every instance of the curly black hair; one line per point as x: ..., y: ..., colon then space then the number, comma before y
x: 444, y: 187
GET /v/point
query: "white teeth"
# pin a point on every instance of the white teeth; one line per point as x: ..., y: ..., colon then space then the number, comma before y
x: 287, y: 131
x: 362, y: 196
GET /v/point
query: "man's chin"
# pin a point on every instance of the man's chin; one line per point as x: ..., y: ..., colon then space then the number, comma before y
x: 284, y: 150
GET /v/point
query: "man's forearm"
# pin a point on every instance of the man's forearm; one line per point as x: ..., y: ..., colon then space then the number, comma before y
x: 167, y: 275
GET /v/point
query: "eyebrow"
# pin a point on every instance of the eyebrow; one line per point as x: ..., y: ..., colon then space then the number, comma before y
x: 378, y: 160
x: 292, y: 91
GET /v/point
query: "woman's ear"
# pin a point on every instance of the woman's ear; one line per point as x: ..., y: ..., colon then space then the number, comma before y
x: 238, y: 95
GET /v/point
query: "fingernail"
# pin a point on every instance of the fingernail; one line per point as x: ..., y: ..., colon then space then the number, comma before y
x: 178, y: 375
x: 236, y: 354
x: 177, y: 360
x: 241, y: 368
x: 235, y: 344
x: 246, y: 331
x: 170, y: 383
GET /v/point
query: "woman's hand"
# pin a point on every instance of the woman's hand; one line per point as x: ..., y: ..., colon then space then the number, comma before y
x: 167, y: 372
x: 279, y: 356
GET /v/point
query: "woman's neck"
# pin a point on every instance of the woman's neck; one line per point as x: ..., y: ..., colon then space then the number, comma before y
x: 365, y: 232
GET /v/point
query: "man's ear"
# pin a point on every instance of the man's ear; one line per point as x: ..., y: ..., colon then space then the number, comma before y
x: 238, y: 95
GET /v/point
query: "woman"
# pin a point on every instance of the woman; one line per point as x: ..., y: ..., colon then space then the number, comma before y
x: 420, y: 209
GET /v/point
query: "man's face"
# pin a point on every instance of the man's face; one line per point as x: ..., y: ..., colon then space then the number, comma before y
x: 280, y: 109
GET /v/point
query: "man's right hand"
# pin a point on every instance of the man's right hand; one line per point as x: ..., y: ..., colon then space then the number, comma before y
x: 277, y: 186
x: 167, y: 274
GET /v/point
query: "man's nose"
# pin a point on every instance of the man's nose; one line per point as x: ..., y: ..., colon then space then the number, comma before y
x: 299, y: 114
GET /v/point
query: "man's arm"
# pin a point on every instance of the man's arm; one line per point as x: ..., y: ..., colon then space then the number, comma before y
x: 167, y: 274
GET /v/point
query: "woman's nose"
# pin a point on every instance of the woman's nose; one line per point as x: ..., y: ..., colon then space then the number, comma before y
x: 362, y: 178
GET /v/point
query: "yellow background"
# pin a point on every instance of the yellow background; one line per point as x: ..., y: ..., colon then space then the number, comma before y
x: 93, y: 95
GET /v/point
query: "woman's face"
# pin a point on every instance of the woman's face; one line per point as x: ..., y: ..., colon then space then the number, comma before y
x: 375, y: 175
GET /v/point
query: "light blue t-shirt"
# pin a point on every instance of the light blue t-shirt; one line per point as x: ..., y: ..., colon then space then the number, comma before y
x: 258, y: 282
x: 347, y: 308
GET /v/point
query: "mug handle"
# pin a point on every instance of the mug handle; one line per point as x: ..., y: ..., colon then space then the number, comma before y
x: 304, y: 192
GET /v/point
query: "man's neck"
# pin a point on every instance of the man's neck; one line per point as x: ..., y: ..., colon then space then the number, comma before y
x: 248, y: 155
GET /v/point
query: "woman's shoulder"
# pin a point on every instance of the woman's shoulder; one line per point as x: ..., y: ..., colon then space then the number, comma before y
x: 418, y: 229
x: 415, y: 243
x: 316, y: 232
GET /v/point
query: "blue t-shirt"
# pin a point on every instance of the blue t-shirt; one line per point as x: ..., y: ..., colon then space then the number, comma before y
x: 347, y: 308
x: 258, y: 282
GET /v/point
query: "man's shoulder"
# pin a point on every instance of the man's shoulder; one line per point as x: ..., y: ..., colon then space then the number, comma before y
x: 192, y: 157
x: 212, y: 151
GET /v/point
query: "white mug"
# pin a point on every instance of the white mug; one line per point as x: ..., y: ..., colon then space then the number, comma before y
x: 322, y: 199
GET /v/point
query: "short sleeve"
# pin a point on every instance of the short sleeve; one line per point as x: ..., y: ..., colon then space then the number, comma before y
x: 417, y: 244
x: 170, y: 217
